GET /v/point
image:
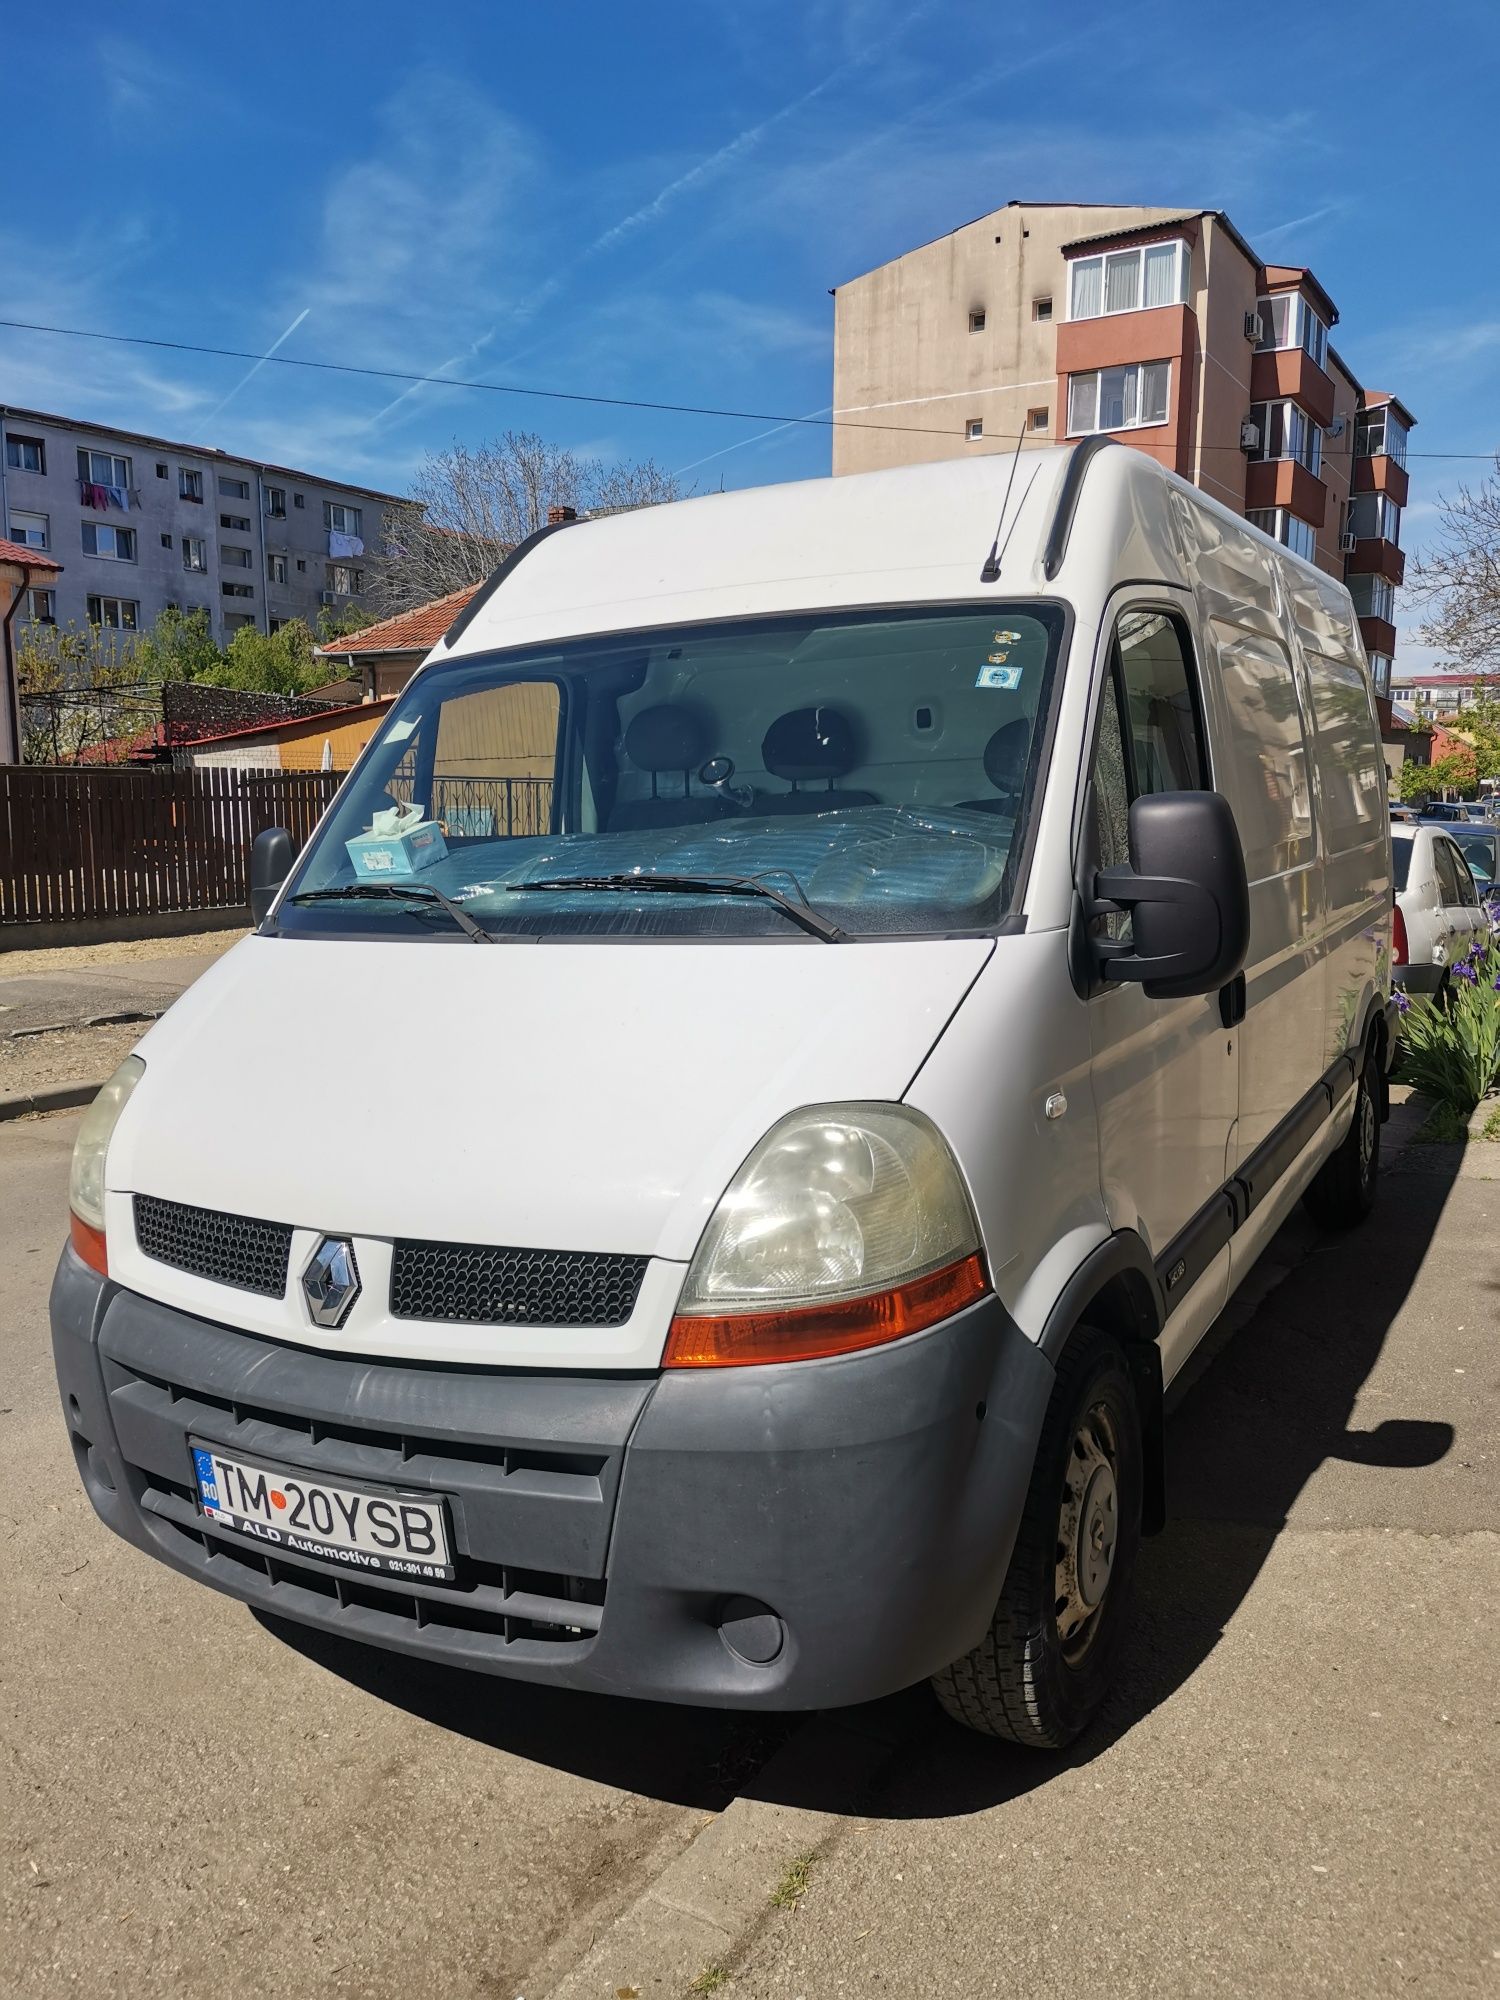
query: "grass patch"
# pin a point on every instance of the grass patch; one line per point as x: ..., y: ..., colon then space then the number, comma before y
x: 710, y: 1979
x: 1491, y: 1126
x: 1444, y: 1126
x: 792, y: 1887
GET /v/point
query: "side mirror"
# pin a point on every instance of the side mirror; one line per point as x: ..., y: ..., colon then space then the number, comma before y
x: 1188, y: 896
x: 270, y: 864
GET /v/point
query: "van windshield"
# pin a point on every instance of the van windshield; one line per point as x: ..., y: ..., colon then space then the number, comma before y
x: 878, y: 770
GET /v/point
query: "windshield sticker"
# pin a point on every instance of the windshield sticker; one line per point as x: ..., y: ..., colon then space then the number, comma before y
x: 1007, y: 638
x: 994, y: 675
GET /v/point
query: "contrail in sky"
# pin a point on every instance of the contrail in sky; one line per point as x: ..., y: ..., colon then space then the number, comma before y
x: 249, y: 372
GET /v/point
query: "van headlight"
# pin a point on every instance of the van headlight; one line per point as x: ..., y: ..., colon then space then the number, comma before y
x: 90, y: 1149
x: 847, y: 1226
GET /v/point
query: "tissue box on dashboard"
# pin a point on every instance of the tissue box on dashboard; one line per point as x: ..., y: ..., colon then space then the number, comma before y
x: 379, y: 855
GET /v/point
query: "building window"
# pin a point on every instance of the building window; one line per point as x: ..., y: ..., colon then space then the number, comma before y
x: 237, y: 524
x: 1283, y: 526
x: 102, y: 468
x: 237, y: 589
x: 117, y: 544
x: 194, y: 553
x: 976, y: 322
x: 1038, y: 419
x: 234, y: 489
x: 1118, y: 399
x: 25, y: 454
x: 974, y: 428
x: 1289, y: 321
x: 41, y: 607
x: 1041, y: 308
x: 345, y: 581
x: 233, y: 620
x: 166, y: 541
x: 121, y: 614
x: 1127, y: 281
x: 1287, y: 431
x: 341, y: 520
x: 276, y: 502
x: 1380, y: 672
x: 1374, y: 597
x: 1380, y: 433
x: 298, y: 501
x: 161, y: 470
x: 1375, y: 517
x: 30, y: 530
x: 233, y: 558
x: 189, y: 484
x: 276, y: 569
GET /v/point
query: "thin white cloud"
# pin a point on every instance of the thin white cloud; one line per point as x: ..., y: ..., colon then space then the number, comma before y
x: 251, y: 372
x: 1299, y: 222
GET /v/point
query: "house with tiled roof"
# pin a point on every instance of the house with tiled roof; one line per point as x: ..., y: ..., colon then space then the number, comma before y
x: 385, y: 656
x: 25, y: 574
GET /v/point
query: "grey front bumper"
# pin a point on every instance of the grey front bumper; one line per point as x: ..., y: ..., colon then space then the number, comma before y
x: 846, y: 1523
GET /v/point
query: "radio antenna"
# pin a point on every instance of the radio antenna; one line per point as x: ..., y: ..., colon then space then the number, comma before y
x: 991, y: 571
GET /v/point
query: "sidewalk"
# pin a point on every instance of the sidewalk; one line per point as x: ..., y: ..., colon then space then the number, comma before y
x: 50, y: 998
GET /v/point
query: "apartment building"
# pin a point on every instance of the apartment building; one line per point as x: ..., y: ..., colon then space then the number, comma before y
x: 1042, y: 322
x: 1445, y: 692
x: 140, y: 522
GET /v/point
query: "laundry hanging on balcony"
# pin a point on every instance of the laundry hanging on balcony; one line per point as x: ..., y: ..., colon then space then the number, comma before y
x: 344, y: 545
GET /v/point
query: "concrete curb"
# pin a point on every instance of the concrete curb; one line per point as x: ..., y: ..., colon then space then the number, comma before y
x: 708, y: 1902
x: 51, y: 1097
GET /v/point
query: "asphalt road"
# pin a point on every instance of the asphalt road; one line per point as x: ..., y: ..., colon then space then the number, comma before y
x: 1294, y: 1789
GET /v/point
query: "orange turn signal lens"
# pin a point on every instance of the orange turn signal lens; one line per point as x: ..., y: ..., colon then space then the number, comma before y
x: 88, y: 1243
x: 739, y: 1340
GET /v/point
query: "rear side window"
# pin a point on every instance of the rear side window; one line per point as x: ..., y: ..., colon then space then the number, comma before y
x: 1401, y: 859
x: 1447, y: 874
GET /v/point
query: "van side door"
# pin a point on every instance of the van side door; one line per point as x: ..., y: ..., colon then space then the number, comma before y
x: 1164, y: 1072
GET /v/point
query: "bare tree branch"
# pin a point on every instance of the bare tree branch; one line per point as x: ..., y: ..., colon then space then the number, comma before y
x: 1458, y: 575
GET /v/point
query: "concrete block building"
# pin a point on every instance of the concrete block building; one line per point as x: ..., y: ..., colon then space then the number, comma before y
x: 140, y: 523
x: 1164, y: 329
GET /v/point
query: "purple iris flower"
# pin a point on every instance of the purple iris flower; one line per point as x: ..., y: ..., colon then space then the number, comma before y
x: 1465, y: 970
x: 1403, y: 1004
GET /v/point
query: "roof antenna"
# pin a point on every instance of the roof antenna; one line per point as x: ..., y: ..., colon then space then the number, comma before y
x: 991, y: 571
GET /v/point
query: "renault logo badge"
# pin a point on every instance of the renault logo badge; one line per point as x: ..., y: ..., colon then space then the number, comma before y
x: 330, y: 1284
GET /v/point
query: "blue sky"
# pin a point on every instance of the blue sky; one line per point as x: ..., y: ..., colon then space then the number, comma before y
x: 653, y: 201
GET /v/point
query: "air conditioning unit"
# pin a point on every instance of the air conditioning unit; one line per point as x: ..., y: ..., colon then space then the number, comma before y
x: 1249, y: 436
x: 328, y: 597
x: 1346, y: 543
x: 1252, y: 327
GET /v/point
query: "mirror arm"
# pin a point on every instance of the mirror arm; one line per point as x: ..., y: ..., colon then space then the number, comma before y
x: 1121, y: 889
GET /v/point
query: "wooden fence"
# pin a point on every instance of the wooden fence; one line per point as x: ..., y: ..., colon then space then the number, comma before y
x: 85, y: 844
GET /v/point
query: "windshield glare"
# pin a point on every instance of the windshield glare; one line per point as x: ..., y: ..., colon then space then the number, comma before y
x: 879, y: 768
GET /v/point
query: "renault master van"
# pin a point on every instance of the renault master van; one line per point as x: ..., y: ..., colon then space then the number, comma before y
x: 804, y: 1012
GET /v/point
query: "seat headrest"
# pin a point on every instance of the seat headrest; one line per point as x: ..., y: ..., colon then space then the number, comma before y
x: 666, y: 738
x: 809, y: 743
x: 1005, y: 755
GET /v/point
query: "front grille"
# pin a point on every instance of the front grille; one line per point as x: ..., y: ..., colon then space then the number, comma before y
x: 231, y: 1249
x: 482, y: 1285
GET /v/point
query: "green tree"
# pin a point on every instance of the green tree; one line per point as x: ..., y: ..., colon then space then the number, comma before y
x: 1452, y: 772
x: 337, y: 623
x: 280, y: 662
x: 77, y: 686
x: 179, y: 647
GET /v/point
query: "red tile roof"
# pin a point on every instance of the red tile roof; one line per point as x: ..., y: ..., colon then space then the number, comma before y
x: 416, y: 631
x: 16, y: 552
x: 312, y: 722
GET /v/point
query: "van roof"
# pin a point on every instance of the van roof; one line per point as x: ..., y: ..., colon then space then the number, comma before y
x: 910, y: 535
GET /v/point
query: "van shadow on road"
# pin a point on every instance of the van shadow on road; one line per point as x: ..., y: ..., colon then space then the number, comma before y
x: 1243, y: 1441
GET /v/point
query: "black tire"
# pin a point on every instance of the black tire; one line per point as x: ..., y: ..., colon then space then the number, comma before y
x: 1343, y: 1190
x: 1025, y: 1681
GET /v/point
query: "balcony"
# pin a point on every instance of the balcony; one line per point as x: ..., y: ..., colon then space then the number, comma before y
x: 1376, y: 557
x: 1381, y: 474
x: 1379, y: 635
x: 1285, y: 482
x: 1156, y: 333
x: 1291, y: 371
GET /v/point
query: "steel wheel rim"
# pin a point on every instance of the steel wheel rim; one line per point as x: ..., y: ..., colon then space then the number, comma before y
x: 1088, y: 1532
x: 1367, y: 1133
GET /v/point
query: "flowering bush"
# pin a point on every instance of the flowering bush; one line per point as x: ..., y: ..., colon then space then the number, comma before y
x: 1451, y: 1051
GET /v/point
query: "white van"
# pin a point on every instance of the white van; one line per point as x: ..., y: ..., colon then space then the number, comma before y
x: 801, y: 1017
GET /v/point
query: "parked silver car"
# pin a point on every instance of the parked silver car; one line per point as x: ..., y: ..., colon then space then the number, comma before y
x: 1439, y: 908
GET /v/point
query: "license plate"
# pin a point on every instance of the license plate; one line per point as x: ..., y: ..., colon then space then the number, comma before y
x: 373, y: 1528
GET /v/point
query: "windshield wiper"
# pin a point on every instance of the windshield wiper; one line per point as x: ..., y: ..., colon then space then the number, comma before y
x: 418, y: 892
x: 698, y: 885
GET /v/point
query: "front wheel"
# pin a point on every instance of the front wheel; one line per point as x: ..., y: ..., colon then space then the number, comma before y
x: 1343, y: 1190
x: 1045, y: 1664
